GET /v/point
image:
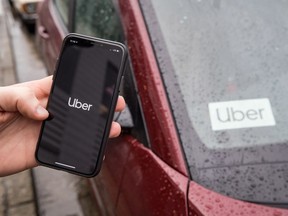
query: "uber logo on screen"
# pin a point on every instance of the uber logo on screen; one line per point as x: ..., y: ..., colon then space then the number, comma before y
x: 241, y: 114
x: 75, y: 103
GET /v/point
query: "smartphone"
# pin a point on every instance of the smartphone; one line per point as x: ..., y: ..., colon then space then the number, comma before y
x: 81, y: 104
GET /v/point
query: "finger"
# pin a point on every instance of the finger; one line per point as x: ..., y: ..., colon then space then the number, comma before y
x: 115, y: 130
x: 45, y: 85
x: 120, y: 104
x: 23, y: 100
x: 42, y: 87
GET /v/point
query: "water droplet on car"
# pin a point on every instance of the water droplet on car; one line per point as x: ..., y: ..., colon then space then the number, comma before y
x: 210, y: 207
x: 277, y: 213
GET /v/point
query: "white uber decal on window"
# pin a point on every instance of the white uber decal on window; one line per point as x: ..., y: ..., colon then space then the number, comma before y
x: 241, y: 114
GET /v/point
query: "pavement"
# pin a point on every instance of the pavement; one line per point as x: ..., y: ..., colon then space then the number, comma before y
x: 40, y: 191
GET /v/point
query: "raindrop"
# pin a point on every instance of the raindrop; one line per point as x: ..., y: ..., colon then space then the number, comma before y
x: 277, y: 213
x: 210, y: 207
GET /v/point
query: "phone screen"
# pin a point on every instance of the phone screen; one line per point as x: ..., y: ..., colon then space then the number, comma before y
x: 85, y: 85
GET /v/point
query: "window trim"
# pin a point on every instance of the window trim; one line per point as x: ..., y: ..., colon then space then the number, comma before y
x: 71, y: 11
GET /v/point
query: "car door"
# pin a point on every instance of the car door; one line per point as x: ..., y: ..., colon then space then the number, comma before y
x: 52, y: 25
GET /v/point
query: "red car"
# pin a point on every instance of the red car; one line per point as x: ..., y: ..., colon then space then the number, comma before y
x: 206, y: 128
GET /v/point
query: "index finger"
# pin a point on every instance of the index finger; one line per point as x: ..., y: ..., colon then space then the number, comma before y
x: 41, y: 87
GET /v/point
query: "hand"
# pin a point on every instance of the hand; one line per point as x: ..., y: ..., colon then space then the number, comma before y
x: 21, y: 114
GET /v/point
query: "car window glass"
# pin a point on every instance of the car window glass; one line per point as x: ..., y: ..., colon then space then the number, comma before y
x: 224, y: 65
x: 97, y: 18
x: 63, y: 9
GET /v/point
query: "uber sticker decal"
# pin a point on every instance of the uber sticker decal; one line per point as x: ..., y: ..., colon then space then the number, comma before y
x: 241, y: 114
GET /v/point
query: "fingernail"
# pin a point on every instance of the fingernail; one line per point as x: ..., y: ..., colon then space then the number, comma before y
x: 41, y: 110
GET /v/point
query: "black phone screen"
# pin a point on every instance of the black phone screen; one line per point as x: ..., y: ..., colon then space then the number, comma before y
x: 85, y: 84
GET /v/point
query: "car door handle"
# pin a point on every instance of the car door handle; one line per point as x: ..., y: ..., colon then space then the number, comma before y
x: 42, y: 31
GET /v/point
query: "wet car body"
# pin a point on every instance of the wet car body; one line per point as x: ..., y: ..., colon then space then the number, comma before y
x: 145, y: 171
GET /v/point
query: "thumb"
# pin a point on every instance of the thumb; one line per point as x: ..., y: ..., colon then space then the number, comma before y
x: 22, y: 100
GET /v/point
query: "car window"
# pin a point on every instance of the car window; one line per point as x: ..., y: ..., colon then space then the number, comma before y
x: 224, y: 65
x: 63, y: 9
x: 97, y: 18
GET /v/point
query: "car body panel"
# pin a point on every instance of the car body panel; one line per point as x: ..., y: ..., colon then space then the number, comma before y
x: 150, y: 186
x: 106, y: 185
x: 160, y: 124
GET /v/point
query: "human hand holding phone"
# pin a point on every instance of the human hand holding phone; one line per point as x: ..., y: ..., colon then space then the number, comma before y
x: 21, y: 113
x: 81, y: 104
